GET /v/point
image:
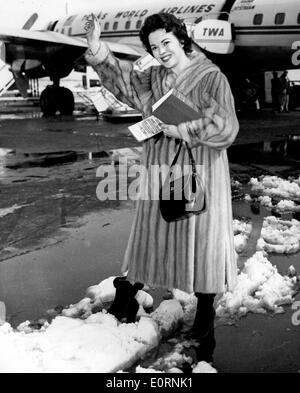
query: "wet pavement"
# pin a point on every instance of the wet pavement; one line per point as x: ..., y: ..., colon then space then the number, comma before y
x: 60, y: 238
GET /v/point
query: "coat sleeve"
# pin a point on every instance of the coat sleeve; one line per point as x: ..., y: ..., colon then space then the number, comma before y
x: 129, y: 86
x: 217, y: 125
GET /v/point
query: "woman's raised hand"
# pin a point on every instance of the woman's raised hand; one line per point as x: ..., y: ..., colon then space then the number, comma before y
x: 93, y: 32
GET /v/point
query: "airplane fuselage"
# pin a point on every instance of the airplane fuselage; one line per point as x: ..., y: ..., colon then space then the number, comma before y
x: 266, y: 32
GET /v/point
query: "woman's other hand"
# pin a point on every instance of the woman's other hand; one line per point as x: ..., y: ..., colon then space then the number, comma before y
x: 173, y: 132
x: 93, y: 32
x: 170, y: 130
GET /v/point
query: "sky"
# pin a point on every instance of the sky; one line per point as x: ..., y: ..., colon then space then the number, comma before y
x: 47, y: 10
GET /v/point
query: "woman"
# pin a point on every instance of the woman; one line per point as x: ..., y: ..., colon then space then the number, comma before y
x: 195, y: 254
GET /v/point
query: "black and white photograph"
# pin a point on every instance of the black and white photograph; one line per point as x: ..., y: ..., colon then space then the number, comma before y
x: 150, y: 189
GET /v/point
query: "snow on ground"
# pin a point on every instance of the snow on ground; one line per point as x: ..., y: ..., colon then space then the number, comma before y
x: 82, y: 339
x: 5, y: 152
x: 268, y: 188
x: 242, y: 230
x: 279, y: 236
x: 98, y: 297
x: 8, y: 210
x: 96, y: 344
x: 276, y: 187
x: 260, y: 287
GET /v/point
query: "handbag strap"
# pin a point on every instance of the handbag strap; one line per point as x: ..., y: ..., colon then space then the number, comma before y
x: 192, y: 162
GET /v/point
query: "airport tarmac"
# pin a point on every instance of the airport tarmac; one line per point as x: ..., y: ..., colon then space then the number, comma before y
x: 60, y: 238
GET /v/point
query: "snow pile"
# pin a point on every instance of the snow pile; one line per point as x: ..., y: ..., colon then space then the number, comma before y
x: 188, y: 303
x: 99, y: 297
x: 272, y: 187
x: 259, y: 288
x: 279, y: 236
x: 4, y: 152
x: 276, y: 187
x: 168, y: 316
x: 242, y: 230
x: 204, y: 368
x: 174, y: 359
x: 97, y: 344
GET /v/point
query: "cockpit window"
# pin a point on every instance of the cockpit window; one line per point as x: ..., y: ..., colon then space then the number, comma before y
x: 279, y: 18
x: 258, y: 18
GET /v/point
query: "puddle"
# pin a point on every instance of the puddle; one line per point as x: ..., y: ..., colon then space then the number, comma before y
x: 21, y: 116
x: 28, y: 160
x: 59, y: 275
x: 279, y: 152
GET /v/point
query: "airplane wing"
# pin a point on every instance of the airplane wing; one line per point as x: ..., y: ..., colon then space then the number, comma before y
x: 40, y: 38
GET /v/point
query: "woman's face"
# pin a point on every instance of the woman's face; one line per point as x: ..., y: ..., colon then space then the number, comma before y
x: 167, y: 49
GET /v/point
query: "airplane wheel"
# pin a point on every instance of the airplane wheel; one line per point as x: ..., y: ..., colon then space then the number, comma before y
x: 48, y: 101
x: 65, y: 101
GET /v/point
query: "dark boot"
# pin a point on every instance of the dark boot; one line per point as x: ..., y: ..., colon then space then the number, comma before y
x: 203, y: 328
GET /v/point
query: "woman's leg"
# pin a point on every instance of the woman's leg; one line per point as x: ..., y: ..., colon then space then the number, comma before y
x: 203, y: 327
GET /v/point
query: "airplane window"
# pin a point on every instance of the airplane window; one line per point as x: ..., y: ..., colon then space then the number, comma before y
x: 298, y: 19
x: 258, y: 18
x: 138, y: 24
x: 115, y: 26
x: 106, y: 26
x: 279, y: 18
x: 127, y: 25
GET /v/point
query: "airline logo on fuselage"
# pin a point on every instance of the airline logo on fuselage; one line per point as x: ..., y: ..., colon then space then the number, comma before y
x: 213, y: 32
x: 191, y: 9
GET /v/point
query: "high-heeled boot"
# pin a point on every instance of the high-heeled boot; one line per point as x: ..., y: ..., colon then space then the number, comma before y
x: 203, y: 328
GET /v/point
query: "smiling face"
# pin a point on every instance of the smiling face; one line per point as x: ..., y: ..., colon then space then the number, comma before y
x: 167, y: 49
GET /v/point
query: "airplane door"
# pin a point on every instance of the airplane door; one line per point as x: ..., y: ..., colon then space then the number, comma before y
x: 214, y: 35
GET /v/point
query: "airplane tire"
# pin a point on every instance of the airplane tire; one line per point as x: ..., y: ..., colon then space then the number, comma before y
x: 65, y: 101
x: 48, y: 101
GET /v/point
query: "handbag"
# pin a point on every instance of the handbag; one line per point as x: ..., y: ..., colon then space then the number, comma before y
x: 184, y: 196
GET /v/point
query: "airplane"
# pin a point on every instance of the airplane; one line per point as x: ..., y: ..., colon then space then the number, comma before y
x: 244, y: 37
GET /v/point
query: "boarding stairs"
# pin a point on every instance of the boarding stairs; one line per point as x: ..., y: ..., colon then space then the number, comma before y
x: 6, y: 78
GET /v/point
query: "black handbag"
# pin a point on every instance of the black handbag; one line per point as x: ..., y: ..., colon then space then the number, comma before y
x: 184, y: 196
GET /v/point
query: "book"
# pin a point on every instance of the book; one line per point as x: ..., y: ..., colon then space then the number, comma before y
x: 175, y: 108
x: 172, y: 108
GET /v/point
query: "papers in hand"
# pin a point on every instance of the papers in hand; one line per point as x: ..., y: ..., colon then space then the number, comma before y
x: 172, y: 108
x: 146, y: 128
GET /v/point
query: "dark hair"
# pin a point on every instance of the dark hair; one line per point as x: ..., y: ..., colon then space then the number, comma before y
x: 168, y: 22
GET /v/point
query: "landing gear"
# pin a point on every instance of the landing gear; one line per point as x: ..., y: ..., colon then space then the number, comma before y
x: 56, y: 98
